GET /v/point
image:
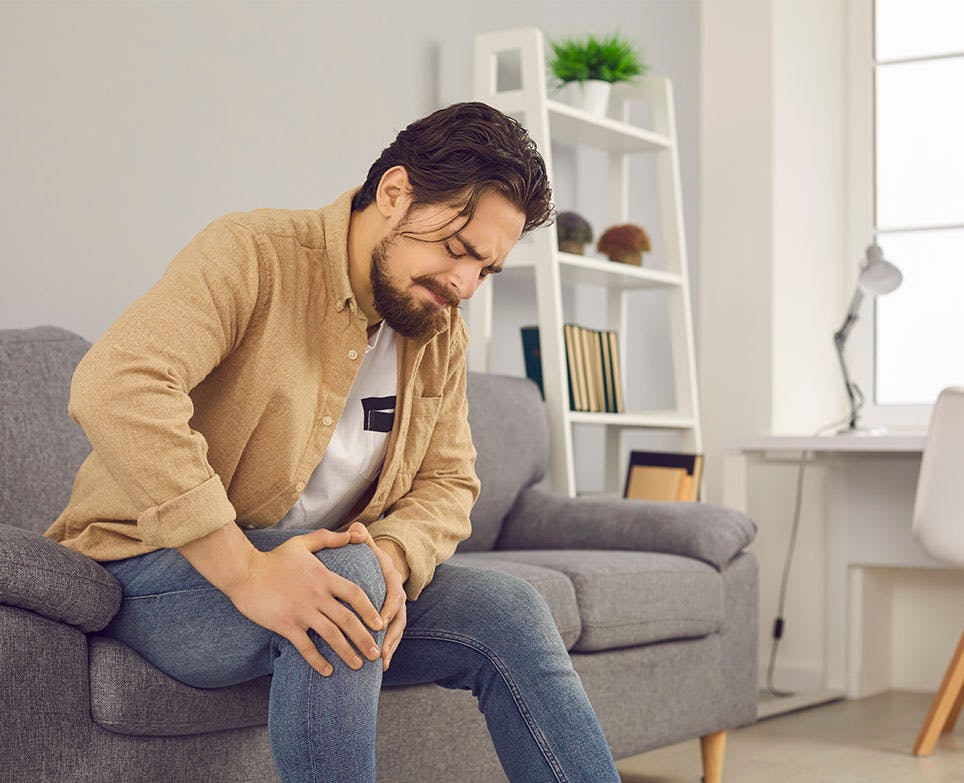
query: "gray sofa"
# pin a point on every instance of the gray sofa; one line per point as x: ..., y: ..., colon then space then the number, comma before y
x: 656, y: 602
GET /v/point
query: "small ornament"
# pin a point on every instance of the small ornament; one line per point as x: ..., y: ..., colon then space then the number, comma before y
x: 574, y: 232
x: 625, y: 244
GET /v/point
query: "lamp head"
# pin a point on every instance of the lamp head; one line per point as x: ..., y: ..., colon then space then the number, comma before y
x: 877, y: 274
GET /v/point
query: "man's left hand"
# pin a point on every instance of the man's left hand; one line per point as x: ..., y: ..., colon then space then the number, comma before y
x: 391, y: 558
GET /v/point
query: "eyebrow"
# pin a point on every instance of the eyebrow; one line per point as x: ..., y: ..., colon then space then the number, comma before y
x: 470, y: 248
x: 474, y: 252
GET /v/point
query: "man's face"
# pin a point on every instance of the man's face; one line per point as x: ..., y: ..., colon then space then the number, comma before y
x: 415, y: 279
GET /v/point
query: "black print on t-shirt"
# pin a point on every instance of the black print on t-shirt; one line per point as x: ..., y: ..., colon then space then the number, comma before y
x: 379, y: 413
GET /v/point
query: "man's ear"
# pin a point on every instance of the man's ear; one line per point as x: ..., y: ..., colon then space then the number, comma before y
x: 394, y: 193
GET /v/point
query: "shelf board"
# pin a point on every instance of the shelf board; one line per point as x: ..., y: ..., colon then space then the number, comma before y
x: 572, y: 126
x: 651, y: 419
x: 599, y: 271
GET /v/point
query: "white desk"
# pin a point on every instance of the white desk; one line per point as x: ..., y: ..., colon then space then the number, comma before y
x: 870, y: 486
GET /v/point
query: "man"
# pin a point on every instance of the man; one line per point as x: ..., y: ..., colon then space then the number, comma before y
x: 281, y: 457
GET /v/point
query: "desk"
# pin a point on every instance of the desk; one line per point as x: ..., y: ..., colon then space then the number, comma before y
x: 870, y: 490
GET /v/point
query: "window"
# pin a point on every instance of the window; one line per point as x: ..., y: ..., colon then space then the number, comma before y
x: 918, y: 210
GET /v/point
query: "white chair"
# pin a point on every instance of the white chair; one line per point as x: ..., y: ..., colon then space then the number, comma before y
x: 939, y: 527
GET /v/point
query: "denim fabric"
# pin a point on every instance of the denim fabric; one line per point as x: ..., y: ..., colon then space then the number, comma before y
x: 471, y: 628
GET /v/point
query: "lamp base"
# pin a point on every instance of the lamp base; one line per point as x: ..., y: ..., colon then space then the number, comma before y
x: 862, y: 430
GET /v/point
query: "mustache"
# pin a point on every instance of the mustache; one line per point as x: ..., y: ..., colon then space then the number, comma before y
x: 438, y: 289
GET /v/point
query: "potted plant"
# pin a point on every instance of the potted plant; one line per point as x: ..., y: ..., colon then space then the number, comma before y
x: 593, y: 65
x: 625, y: 244
x: 574, y: 232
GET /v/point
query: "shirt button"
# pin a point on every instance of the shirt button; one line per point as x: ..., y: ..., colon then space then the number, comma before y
x: 300, y: 486
x: 326, y: 421
x: 353, y: 354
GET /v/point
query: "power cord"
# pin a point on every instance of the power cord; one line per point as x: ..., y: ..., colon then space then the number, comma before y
x: 778, y: 623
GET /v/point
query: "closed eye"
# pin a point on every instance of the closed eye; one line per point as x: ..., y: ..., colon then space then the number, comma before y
x: 452, y: 254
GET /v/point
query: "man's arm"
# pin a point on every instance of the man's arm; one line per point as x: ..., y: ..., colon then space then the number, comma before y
x: 130, y: 394
x: 429, y: 522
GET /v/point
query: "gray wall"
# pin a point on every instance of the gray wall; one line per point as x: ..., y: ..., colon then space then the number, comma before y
x: 126, y: 127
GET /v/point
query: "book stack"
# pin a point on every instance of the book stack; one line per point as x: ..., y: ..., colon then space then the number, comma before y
x: 592, y: 361
x: 664, y: 476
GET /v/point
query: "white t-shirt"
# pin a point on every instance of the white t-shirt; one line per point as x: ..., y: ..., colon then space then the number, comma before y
x: 356, y: 452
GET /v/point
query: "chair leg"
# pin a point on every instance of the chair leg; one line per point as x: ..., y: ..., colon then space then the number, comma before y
x: 946, y: 705
x: 712, y: 747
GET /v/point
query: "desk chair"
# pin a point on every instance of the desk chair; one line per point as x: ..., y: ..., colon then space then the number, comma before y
x: 939, y: 527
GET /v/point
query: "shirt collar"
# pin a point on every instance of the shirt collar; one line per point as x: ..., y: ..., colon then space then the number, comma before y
x: 335, y: 219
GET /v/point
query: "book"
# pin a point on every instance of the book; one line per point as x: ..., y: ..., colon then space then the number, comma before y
x: 617, y: 373
x: 607, y: 372
x: 533, y: 356
x: 663, y: 476
x: 588, y: 373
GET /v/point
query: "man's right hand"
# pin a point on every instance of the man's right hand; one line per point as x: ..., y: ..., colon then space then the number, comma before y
x: 289, y: 591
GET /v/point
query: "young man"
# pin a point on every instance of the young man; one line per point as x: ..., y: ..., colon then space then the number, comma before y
x: 281, y: 457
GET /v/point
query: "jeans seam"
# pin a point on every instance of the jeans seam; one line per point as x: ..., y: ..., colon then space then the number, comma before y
x: 517, y: 697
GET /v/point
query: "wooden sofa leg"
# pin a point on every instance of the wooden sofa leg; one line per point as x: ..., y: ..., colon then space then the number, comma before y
x: 712, y: 747
x: 946, y: 705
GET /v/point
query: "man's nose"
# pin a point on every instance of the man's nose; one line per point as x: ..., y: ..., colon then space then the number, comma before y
x: 464, y: 278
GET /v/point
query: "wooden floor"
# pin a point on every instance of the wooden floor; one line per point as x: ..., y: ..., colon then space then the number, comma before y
x: 862, y: 741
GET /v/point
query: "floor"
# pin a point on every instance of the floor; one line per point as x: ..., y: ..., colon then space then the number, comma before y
x: 862, y: 741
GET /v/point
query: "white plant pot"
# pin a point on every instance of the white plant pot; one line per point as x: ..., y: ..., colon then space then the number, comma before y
x: 595, y: 96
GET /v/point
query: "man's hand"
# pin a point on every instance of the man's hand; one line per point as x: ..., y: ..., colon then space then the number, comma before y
x: 391, y: 558
x: 289, y: 591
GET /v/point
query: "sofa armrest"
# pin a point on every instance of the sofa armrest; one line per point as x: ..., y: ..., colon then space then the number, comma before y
x: 41, y: 575
x: 544, y: 520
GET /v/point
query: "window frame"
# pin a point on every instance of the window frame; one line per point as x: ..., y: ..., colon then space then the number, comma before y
x: 861, y: 198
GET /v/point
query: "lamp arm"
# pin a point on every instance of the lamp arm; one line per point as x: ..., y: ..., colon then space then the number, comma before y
x: 839, y: 340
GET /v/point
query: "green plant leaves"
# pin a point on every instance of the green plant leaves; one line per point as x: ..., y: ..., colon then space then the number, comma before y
x: 610, y: 58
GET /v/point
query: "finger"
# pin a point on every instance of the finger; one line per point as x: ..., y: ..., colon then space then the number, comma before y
x: 393, y: 636
x: 394, y: 601
x: 327, y: 630
x: 357, y: 599
x: 326, y: 539
x: 351, y: 627
x: 303, y: 644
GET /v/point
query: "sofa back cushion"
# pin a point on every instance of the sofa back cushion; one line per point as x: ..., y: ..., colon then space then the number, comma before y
x: 40, y: 445
x: 508, y: 421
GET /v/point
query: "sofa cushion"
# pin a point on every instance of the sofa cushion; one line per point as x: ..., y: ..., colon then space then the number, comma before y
x: 130, y: 696
x: 631, y: 598
x: 508, y: 421
x: 553, y: 585
x: 40, y: 446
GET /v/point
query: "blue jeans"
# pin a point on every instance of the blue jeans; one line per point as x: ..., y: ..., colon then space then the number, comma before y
x: 471, y: 628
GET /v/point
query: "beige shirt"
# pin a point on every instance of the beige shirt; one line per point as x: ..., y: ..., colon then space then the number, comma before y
x: 214, y: 396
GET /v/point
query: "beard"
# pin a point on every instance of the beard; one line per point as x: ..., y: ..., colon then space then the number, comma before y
x: 401, y: 311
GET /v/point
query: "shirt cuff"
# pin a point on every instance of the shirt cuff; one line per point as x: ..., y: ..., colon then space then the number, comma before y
x: 187, y: 517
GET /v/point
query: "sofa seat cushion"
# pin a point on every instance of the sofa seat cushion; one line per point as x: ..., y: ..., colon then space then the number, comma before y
x: 632, y: 598
x: 130, y: 696
x: 553, y: 585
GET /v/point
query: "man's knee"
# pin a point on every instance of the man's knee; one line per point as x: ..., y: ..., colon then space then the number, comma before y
x: 358, y: 564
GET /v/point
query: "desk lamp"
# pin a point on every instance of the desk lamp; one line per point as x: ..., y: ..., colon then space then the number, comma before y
x: 877, y: 276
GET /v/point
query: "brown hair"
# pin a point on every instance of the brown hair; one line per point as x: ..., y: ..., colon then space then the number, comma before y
x: 456, y: 153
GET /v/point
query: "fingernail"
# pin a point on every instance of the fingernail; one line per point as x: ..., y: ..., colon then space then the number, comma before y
x: 373, y: 653
x: 356, y: 662
x: 379, y: 623
x: 327, y: 671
